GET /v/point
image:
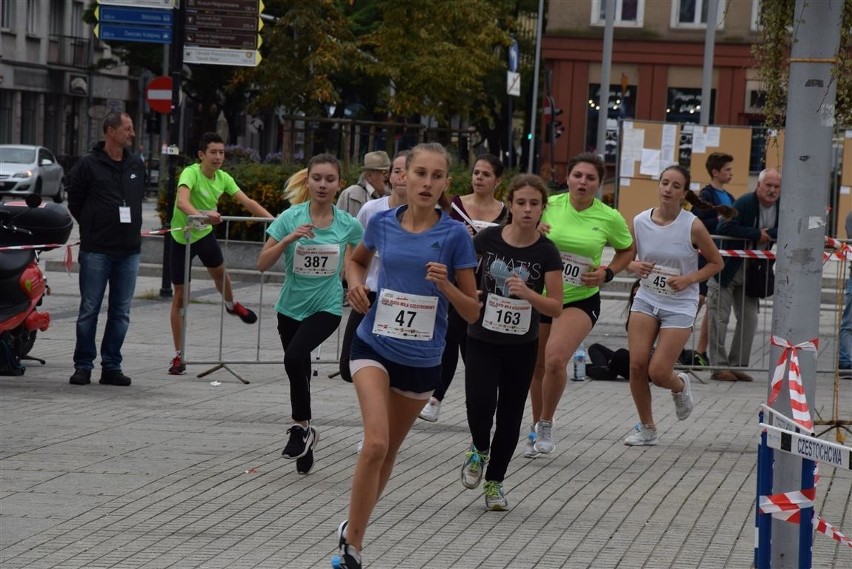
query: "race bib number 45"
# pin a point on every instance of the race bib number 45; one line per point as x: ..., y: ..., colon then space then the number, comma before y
x: 573, y: 266
x: 506, y: 315
x: 658, y: 280
x: 316, y: 260
x: 405, y: 316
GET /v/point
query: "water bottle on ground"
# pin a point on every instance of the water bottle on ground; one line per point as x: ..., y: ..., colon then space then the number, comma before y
x: 580, y: 358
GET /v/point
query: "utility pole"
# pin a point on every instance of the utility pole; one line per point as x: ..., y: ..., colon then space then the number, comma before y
x: 606, y: 71
x: 709, y: 47
x: 174, y: 138
x: 539, y: 29
x: 807, y: 164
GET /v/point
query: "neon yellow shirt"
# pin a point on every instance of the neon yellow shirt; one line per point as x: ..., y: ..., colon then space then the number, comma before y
x: 582, y: 235
x: 204, y: 195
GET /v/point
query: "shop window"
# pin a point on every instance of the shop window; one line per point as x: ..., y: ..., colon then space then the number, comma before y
x: 684, y: 106
x: 622, y: 105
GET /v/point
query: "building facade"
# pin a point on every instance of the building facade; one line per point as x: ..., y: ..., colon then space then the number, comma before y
x: 49, y: 93
x: 657, y: 66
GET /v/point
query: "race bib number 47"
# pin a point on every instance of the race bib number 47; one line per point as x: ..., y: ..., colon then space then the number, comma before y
x: 316, y: 260
x: 405, y: 316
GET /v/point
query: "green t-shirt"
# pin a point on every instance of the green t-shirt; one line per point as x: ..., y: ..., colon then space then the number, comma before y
x: 580, y: 237
x: 312, y: 266
x: 204, y: 194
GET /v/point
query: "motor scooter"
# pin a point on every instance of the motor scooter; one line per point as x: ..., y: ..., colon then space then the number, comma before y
x: 26, y: 229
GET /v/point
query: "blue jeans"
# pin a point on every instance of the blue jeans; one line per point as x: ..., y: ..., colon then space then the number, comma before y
x: 844, y: 360
x: 96, y: 270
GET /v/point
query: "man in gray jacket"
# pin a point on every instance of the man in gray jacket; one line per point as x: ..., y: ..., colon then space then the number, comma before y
x: 754, y: 227
x: 371, y: 184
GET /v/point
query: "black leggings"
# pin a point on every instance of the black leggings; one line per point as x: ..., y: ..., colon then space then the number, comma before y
x: 456, y: 341
x: 299, y: 339
x: 352, y: 324
x: 497, y: 378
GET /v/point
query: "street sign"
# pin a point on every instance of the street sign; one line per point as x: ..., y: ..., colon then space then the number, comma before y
x: 222, y: 32
x: 214, y: 56
x: 239, y: 6
x: 140, y: 16
x: 133, y: 33
x: 159, y: 94
x: 167, y: 4
x: 223, y: 39
x: 513, y: 84
x: 811, y: 448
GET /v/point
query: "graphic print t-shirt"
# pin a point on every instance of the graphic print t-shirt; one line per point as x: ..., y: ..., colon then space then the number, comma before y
x: 498, y: 261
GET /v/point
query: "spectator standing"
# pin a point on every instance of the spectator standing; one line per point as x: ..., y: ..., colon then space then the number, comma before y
x: 844, y: 363
x: 755, y: 226
x: 370, y: 186
x: 720, y: 167
x: 105, y: 192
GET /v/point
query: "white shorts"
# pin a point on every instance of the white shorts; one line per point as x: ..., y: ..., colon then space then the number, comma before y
x: 666, y: 318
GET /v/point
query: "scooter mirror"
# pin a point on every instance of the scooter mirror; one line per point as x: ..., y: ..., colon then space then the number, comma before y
x: 33, y: 200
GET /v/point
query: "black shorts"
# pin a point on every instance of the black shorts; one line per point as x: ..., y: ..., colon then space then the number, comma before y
x: 591, y: 306
x: 208, y: 250
x: 403, y: 379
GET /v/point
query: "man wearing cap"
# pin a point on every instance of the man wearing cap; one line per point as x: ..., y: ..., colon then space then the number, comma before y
x: 371, y: 184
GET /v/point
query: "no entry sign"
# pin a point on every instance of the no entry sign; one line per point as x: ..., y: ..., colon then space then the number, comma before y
x: 159, y: 94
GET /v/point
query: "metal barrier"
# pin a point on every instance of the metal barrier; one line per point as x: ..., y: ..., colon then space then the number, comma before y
x: 220, y: 361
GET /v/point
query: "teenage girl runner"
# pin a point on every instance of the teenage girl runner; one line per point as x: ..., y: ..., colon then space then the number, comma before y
x: 426, y: 263
x: 477, y: 210
x: 314, y: 237
x: 516, y: 262
x: 665, y: 306
x: 580, y: 225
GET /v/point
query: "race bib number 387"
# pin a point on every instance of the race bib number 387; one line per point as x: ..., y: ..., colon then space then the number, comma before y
x: 405, y: 316
x: 316, y: 260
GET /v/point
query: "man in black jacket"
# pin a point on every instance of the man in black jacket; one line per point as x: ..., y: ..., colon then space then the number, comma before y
x: 105, y: 190
x: 754, y: 227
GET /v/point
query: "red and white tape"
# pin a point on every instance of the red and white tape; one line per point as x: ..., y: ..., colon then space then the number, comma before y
x: 788, y: 506
x: 798, y: 402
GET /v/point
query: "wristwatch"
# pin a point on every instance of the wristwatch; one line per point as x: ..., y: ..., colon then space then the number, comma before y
x: 609, y: 275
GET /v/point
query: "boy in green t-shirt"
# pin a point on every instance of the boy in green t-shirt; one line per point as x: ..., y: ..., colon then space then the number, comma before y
x: 199, y: 189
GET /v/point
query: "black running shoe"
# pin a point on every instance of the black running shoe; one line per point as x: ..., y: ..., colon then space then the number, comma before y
x: 299, y: 443
x: 305, y: 464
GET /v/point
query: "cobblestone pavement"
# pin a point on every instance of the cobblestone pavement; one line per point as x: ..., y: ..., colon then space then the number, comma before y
x: 187, y: 472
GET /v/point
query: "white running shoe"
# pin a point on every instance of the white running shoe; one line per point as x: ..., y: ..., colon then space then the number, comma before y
x: 683, y: 400
x: 544, y: 437
x: 644, y: 436
x: 529, y: 446
x: 495, y: 498
x: 431, y: 411
x: 473, y: 467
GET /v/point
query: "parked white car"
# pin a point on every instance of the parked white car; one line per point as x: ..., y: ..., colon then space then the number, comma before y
x: 28, y: 169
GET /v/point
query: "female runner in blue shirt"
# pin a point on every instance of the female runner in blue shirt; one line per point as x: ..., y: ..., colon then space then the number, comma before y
x: 427, y: 262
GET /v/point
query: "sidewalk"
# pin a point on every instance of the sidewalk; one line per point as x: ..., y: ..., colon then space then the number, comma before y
x: 186, y: 472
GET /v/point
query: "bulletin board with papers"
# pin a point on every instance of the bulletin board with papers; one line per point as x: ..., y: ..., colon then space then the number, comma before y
x: 844, y: 198
x: 646, y: 148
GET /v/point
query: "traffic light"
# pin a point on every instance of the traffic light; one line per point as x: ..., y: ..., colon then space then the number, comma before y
x: 554, y: 127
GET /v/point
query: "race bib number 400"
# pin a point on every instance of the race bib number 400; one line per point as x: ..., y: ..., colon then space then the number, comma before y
x: 506, y: 315
x: 405, y: 316
x: 316, y: 260
x: 658, y: 280
x: 573, y: 266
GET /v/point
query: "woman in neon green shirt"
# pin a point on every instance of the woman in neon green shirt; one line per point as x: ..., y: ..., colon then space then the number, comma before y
x: 580, y: 225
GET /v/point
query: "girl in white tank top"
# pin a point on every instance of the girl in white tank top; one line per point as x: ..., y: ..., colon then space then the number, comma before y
x: 666, y: 238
